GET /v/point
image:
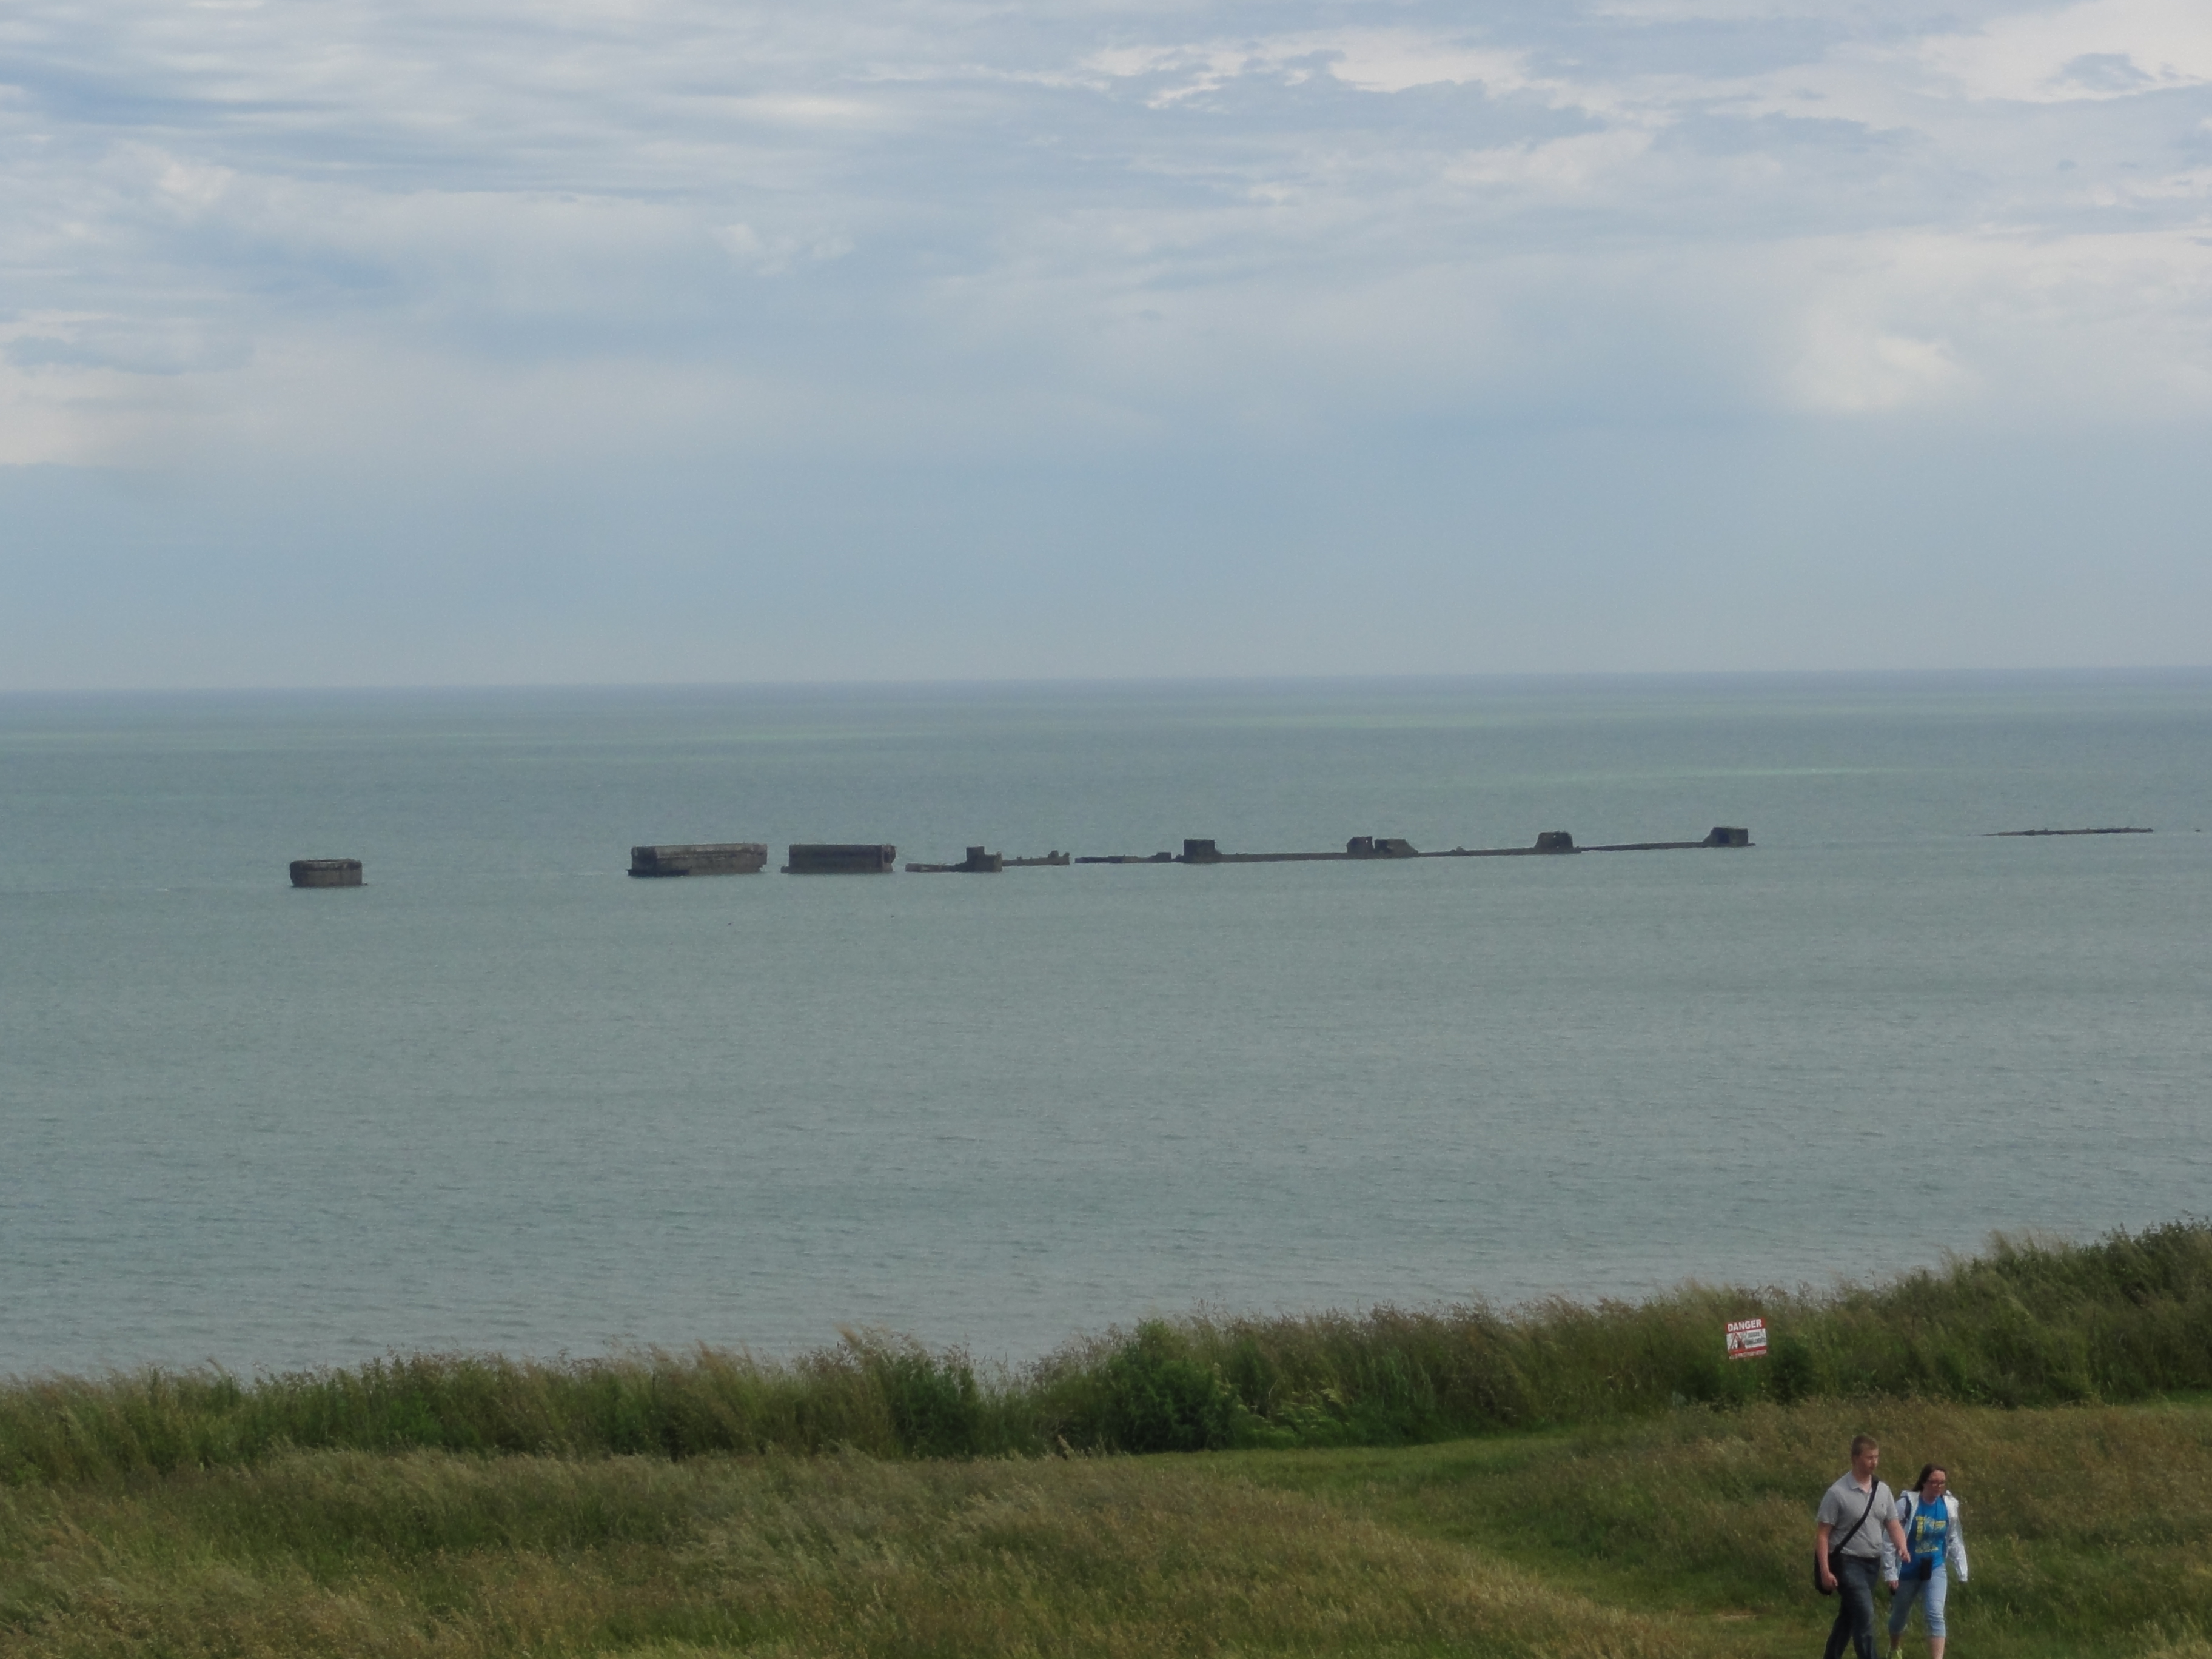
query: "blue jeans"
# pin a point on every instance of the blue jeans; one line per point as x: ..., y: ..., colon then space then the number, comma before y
x: 1928, y: 1592
x: 1854, y: 1626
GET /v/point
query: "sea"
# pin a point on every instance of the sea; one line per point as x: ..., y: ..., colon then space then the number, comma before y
x: 502, y: 1098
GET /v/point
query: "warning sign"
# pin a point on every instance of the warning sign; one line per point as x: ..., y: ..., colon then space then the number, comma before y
x: 1747, y: 1339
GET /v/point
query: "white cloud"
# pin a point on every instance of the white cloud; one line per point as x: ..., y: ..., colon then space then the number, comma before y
x: 2102, y: 49
x: 1118, y: 218
x: 1570, y: 167
x: 1849, y: 369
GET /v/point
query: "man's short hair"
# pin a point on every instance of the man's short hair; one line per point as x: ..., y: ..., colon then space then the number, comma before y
x: 1864, y: 1443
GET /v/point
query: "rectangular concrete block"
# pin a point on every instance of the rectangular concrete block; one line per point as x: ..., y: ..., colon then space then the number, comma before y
x: 325, y: 872
x: 841, y: 859
x: 716, y: 857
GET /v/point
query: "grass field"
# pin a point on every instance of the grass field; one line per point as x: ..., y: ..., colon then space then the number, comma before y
x: 1555, y: 1481
x: 1685, y: 1534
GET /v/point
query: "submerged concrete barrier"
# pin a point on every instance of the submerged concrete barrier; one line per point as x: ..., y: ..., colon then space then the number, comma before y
x: 325, y: 872
x: 1360, y: 848
x: 1547, y: 841
x: 841, y: 859
x: 1206, y: 852
x: 712, y: 857
x: 1721, y: 836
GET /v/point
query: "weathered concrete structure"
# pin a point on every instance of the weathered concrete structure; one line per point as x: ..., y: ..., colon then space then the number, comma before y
x: 1359, y: 847
x: 841, y: 859
x: 720, y: 858
x: 1722, y: 835
x: 1053, y: 860
x: 325, y: 872
x: 1547, y: 841
x: 2000, y: 835
x: 977, y: 863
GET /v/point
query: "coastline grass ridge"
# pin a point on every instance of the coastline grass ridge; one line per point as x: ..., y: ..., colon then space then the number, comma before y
x: 2028, y: 1322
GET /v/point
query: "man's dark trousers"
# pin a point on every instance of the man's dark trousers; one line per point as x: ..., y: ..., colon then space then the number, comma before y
x: 1854, y: 1627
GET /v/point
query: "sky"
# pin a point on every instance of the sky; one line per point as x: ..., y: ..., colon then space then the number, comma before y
x: 380, y: 343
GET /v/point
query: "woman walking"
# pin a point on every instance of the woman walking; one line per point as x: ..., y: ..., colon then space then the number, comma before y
x: 1929, y: 1516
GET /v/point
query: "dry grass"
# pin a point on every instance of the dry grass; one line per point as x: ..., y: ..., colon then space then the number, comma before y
x: 1682, y: 1536
x: 427, y: 1553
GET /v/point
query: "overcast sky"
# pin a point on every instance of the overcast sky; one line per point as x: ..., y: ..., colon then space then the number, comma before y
x: 385, y: 342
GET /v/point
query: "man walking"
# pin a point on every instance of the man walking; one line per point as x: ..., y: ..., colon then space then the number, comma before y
x: 1847, y: 1546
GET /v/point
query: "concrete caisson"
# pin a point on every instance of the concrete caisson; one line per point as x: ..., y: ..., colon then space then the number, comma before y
x: 841, y: 859
x: 719, y: 858
x: 325, y: 872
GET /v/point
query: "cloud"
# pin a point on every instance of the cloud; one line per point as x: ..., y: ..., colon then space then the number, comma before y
x: 390, y: 240
x: 2102, y: 49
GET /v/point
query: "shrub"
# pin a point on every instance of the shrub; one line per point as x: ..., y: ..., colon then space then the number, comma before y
x: 1158, y: 1398
x: 2029, y: 1322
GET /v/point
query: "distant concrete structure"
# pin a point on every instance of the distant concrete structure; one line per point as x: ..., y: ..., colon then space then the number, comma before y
x: 1053, y: 860
x: 718, y: 858
x: 1722, y: 835
x: 1548, y: 842
x: 977, y: 863
x: 1359, y: 847
x: 325, y: 872
x: 841, y: 859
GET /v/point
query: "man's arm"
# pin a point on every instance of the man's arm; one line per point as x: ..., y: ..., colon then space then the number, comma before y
x: 1903, y: 1550
x: 1821, y: 1554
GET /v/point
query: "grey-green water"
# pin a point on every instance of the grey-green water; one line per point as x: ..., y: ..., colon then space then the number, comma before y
x: 504, y: 1097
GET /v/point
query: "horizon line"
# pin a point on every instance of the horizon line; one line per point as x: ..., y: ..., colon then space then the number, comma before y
x: 1102, y: 681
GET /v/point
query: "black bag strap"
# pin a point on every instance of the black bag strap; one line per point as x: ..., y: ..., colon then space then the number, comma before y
x: 1873, y: 1492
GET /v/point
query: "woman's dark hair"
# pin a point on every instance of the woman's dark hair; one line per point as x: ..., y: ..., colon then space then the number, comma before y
x: 1920, y: 1485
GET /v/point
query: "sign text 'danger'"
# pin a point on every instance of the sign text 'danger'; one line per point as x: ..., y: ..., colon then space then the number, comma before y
x: 1747, y: 1339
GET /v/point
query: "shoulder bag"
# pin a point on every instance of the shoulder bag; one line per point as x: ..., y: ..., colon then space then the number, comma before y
x: 1835, y: 1573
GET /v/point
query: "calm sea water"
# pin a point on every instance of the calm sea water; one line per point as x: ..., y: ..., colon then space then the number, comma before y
x: 505, y: 1097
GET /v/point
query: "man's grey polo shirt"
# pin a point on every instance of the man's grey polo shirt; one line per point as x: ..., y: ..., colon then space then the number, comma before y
x: 1840, y: 1505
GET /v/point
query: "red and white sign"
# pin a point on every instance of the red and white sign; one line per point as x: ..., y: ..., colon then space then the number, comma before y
x: 1747, y: 1339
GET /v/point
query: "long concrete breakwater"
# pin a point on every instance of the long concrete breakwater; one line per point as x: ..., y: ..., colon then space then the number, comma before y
x: 1362, y: 848
x: 880, y: 858
x: 745, y: 858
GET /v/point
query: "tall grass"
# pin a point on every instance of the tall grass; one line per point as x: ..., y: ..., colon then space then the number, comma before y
x: 2025, y: 1323
x: 1685, y: 1534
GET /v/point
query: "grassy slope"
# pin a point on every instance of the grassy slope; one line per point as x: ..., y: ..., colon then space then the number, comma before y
x: 1686, y: 1534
